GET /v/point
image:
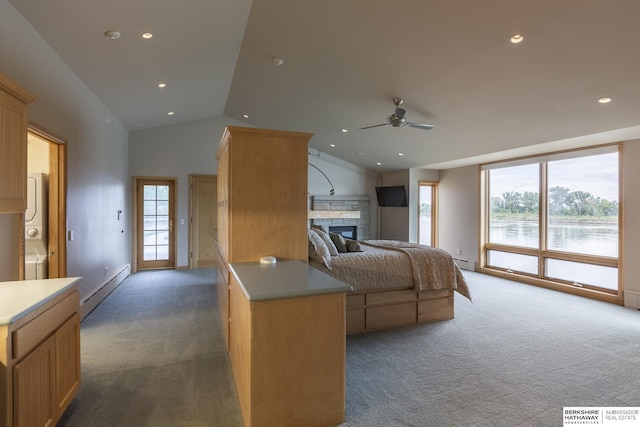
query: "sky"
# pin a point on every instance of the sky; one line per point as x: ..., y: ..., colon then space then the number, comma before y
x: 597, y: 175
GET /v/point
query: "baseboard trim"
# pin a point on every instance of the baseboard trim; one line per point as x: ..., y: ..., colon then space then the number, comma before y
x: 103, y: 290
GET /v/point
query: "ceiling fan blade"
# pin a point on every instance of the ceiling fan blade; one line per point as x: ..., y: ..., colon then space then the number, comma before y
x: 375, y: 126
x: 420, y: 126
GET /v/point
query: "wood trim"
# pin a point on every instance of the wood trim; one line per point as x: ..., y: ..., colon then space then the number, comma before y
x: 15, y: 90
x: 333, y: 214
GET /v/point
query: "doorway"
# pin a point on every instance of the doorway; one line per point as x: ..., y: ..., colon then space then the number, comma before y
x: 203, y: 225
x: 45, y: 248
x: 155, y: 218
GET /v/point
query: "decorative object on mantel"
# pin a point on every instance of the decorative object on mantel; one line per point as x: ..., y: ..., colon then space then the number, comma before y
x: 332, y: 191
x: 333, y: 214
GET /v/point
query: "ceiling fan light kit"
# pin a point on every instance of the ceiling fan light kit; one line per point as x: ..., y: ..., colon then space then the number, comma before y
x: 397, y: 119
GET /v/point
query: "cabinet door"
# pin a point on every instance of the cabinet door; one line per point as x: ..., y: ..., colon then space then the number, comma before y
x: 67, y: 362
x: 13, y: 161
x: 34, y: 377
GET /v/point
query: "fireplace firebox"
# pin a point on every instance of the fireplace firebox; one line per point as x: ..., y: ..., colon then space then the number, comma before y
x: 346, y: 231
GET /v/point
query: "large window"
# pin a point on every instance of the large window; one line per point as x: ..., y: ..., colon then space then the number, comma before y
x: 555, y: 218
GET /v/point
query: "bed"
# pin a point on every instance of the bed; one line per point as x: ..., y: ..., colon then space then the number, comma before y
x: 393, y: 283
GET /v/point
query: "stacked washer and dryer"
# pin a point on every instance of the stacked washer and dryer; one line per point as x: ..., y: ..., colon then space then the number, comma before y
x: 36, y: 227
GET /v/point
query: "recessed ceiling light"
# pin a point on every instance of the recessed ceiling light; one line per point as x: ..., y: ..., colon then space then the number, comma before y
x: 344, y: 130
x: 170, y: 113
x: 379, y: 164
x: 246, y: 116
x: 161, y: 85
x: 400, y: 154
x: 333, y: 145
x: 112, y: 34
x: 147, y: 35
x: 277, y: 61
x: 517, y: 38
x: 605, y: 100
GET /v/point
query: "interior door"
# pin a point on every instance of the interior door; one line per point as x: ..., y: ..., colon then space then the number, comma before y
x: 155, y: 217
x: 204, y: 218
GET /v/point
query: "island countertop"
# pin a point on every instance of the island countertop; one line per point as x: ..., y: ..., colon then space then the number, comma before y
x: 284, y: 279
x: 19, y: 298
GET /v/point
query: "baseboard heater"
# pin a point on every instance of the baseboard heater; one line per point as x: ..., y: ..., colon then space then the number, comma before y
x: 103, y: 290
x: 465, y: 264
x: 632, y: 299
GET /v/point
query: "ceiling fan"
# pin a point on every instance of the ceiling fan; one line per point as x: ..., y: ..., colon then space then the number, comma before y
x: 397, y: 119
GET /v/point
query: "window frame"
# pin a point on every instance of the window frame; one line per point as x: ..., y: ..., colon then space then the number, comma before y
x: 542, y: 253
x: 434, y: 210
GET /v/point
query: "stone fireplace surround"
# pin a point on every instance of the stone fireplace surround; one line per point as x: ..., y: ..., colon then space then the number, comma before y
x: 345, y: 203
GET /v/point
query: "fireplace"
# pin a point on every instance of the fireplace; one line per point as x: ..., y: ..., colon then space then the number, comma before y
x: 361, y: 227
x: 346, y: 231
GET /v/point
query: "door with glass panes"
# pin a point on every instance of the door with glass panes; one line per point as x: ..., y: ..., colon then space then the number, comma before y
x: 155, y: 223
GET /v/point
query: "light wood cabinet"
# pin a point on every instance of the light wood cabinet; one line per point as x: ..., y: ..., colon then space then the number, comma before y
x: 262, y: 200
x: 40, y: 362
x: 287, y: 352
x: 288, y: 357
x: 13, y: 146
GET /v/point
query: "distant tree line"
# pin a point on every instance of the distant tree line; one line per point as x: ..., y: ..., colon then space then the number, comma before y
x: 562, y: 202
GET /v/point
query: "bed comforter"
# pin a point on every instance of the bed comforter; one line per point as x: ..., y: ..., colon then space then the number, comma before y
x: 386, y: 264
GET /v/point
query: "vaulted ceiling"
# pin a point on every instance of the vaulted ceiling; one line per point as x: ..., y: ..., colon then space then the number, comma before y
x: 344, y: 61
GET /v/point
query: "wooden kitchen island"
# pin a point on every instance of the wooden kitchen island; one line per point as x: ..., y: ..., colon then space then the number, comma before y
x: 287, y: 344
x: 39, y: 350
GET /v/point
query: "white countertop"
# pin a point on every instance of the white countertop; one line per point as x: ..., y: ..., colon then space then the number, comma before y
x: 284, y: 279
x: 23, y: 296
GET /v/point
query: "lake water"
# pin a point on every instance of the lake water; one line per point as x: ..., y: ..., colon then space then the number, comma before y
x: 591, y: 239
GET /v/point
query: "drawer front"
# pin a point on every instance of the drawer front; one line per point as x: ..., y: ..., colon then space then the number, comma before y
x: 391, y: 316
x: 355, y: 301
x: 435, y: 294
x: 33, y: 333
x: 355, y: 321
x: 378, y: 298
x: 435, y: 310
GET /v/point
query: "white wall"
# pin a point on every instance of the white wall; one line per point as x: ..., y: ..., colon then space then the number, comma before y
x: 98, y: 182
x: 458, y: 211
x: 394, y: 221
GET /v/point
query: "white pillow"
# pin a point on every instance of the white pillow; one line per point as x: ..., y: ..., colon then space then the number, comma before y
x: 318, y: 250
x: 327, y: 241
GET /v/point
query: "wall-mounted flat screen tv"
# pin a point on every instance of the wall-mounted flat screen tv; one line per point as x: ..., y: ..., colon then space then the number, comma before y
x: 394, y: 196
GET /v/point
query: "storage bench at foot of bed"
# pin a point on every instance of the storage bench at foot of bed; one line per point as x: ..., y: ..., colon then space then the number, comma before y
x: 373, y: 310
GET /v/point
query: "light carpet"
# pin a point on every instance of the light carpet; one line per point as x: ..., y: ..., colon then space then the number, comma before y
x: 153, y: 355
